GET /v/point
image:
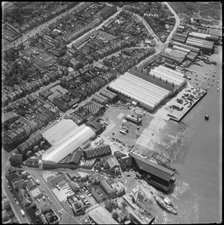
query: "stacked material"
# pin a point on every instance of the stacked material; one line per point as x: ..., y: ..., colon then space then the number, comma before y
x: 145, y: 93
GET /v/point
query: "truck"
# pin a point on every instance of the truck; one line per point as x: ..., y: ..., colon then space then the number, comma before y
x: 22, y: 212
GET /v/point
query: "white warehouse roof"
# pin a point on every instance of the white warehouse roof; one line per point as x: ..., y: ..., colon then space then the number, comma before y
x: 181, y: 49
x: 59, y: 131
x: 170, y: 78
x: 74, y: 139
x: 200, y: 35
x: 142, y: 91
x: 170, y: 71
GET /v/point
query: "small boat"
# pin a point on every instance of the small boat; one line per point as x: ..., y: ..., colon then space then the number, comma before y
x: 206, y: 117
x: 166, y: 204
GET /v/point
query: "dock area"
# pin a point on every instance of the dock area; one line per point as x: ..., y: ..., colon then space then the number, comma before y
x: 180, y: 105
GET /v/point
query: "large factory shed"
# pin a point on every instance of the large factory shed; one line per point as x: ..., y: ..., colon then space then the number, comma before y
x: 77, y: 137
x: 204, y: 36
x: 168, y: 77
x: 161, y: 176
x: 148, y: 95
x: 204, y: 45
x: 101, y: 216
x: 60, y: 130
x: 174, y: 55
x: 194, y: 49
x: 170, y: 71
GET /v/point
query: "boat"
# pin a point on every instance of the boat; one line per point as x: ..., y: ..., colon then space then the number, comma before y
x: 206, y: 117
x: 166, y: 204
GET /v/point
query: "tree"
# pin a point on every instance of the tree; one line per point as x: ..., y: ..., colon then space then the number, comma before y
x: 115, y: 215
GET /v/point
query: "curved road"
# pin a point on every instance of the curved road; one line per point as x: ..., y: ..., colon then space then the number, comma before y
x: 159, y: 45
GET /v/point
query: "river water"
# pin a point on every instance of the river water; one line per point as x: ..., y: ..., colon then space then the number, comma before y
x: 197, y: 193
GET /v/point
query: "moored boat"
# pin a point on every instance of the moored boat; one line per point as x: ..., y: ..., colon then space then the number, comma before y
x: 165, y: 203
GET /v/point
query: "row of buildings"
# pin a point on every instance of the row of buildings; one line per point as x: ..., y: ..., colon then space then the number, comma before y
x: 26, y: 88
x: 202, y: 39
x: 27, y: 192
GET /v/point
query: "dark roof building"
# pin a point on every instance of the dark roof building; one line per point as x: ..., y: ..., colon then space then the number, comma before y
x: 100, y: 99
x: 108, y: 94
x: 100, y: 151
x: 112, y: 163
x: 160, y: 176
x: 9, y: 117
x: 76, y: 156
x: 16, y: 159
x: 31, y: 184
x: 96, y: 125
x: 111, y: 192
x: 125, y: 162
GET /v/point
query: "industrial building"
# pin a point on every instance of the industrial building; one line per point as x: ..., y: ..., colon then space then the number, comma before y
x: 168, y: 76
x: 100, y: 151
x: 132, y: 88
x: 208, y: 37
x: 180, y: 37
x: 101, y: 216
x: 175, y: 47
x: 157, y: 175
x: 100, y: 99
x: 172, y: 55
x: 108, y: 94
x: 170, y: 71
x: 111, y: 192
x: 59, y: 130
x: 204, y: 45
x: 193, y: 49
x: 75, y: 138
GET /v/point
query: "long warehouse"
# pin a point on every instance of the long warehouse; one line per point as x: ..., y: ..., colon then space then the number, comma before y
x: 170, y: 71
x: 148, y: 95
x: 77, y: 137
x: 171, y: 78
x: 204, y: 45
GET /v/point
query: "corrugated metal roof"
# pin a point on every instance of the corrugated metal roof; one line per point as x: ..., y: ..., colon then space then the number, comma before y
x: 171, y: 78
x: 59, y: 131
x: 181, y: 49
x: 98, y: 151
x: 152, y: 168
x: 186, y: 46
x: 200, y: 35
x: 200, y: 43
x: 140, y: 90
x: 76, y: 138
x: 101, y: 216
x: 170, y: 71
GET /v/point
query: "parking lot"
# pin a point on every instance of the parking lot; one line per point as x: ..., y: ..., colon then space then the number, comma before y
x: 115, y: 117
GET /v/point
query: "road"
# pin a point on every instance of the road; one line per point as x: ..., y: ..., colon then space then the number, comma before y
x: 14, y: 206
x: 177, y: 22
x: 159, y: 45
x: 38, y: 29
x: 150, y: 30
x: 107, y: 21
x: 56, y: 205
